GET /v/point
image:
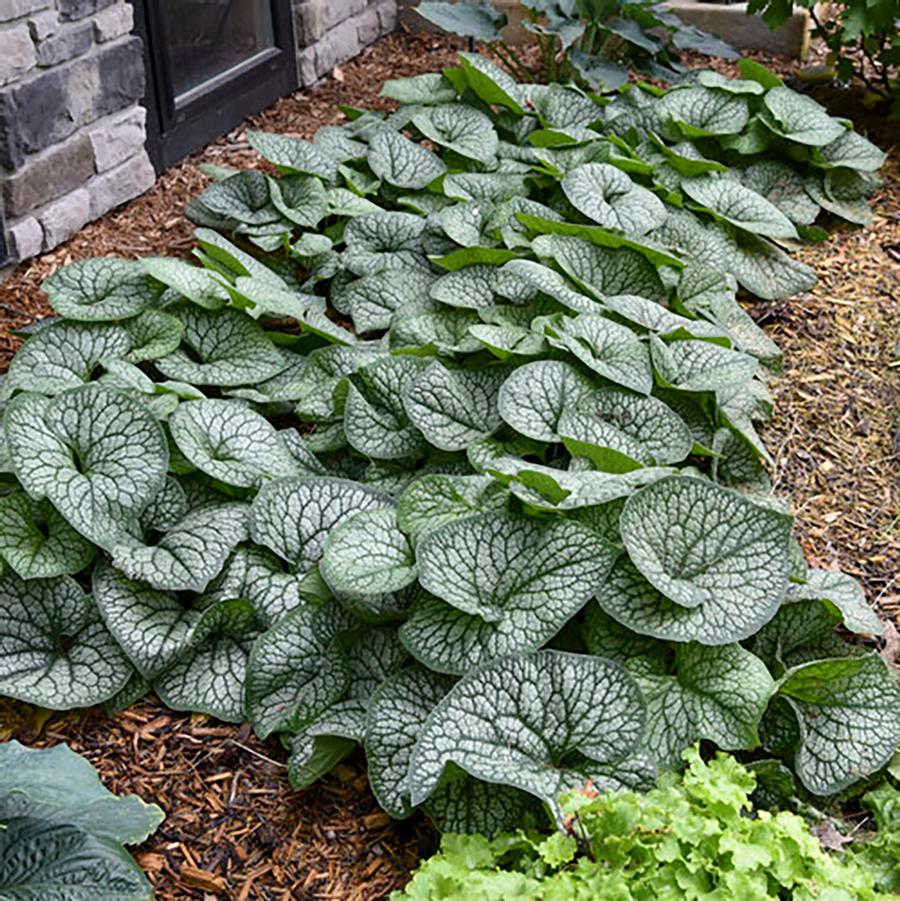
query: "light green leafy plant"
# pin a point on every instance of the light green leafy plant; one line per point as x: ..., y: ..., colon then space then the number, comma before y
x: 695, y: 836
x: 449, y: 449
x: 61, y: 831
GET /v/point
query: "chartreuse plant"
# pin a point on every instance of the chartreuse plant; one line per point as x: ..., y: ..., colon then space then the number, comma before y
x: 61, y: 831
x: 449, y: 449
x: 692, y: 837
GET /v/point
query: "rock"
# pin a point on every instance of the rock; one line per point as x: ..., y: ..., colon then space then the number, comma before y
x: 65, y: 217
x: 66, y: 45
x: 121, y: 184
x: 26, y: 238
x: 17, y: 54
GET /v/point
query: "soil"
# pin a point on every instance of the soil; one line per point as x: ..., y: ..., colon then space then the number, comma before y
x: 234, y: 827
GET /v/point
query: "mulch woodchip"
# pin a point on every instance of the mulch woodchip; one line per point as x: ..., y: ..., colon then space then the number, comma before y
x: 234, y: 828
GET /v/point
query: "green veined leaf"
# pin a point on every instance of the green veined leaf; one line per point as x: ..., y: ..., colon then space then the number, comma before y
x: 845, y: 593
x: 209, y: 677
x: 700, y: 544
x: 372, y: 300
x: 61, y: 787
x: 198, y: 285
x: 224, y: 348
x: 301, y: 199
x: 848, y: 710
x: 453, y: 407
x: 539, y: 723
x: 610, y: 349
x: 37, y: 542
x: 782, y: 186
x: 465, y: 805
x: 799, y: 118
x: 462, y: 129
x: 293, y: 154
x: 397, y: 712
x: 367, y: 554
x: 491, y: 83
x: 851, y: 149
x: 472, y: 20
x: 296, y: 671
x: 153, y: 334
x: 243, y: 198
x: 96, y: 455
x: 701, y: 112
x: 190, y: 554
x: 401, y: 162
x: 608, y: 196
x: 471, y: 287
x: 41, y: 859
x: 536, y: 396
x: 700, y: 365
x: 293, y: 517
x: 429, y: 88
x: 101, y: 289
x: 230, y: 442
x: 379, y: 241
x: 54, y: 650
x: 548, y: 281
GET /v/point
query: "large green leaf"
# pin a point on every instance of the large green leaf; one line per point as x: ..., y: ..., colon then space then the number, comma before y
x: 462, y: 129
x: 37, y: 542
x: 373, y: 300
x: 191, y: 553
x: 608, y: 196
x: 196, y: 284
x: 297, y: 670
x: 293, y: 517
x: 799, y: 118
x: 293, y: 154
x: 540, y: 723
x: 739, y: 205
x: 230, y: 442
x: 701, y: 544
x: 61, y: 787
x: 402, y: 162
x: 96, y: 455
x: 700, y: 365
x: 469, y: 20
x: 379, y: 241
x: 848, y: 710
x: 453, y: 407
x: 40, y: 859
x: 101, y: 289
x: 845, y: 593
x: 700, y: 112
x: 54, y: 650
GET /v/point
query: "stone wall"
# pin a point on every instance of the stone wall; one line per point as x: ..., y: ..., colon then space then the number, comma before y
x: 330, y: 32
x: 71, y: 132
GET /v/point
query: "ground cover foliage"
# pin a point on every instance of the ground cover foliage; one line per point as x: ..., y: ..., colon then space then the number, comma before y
x: 448, y: 448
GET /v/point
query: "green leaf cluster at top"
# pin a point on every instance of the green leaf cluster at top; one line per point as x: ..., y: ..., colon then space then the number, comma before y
x: 61, y: 831
x: 696, y: 837
x: 594, y: 42
x: 448, y: 449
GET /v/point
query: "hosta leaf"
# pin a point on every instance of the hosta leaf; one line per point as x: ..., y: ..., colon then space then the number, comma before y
x: 296, y: 671
x: 61, y: 787
x: 700, y: 365
x: 491, y: 83
x: 700, y: 112
x: 610, y: 349
x: 41, y: 859
x: 368, y: 554
x: 473, y: 20
x: 255, y: 573
x: 65, y: 355
x: 190, y: 554
x: 453, y: 407
x: 715, y: 693
x: 799, y: 118
x: 701, y: 544
x: 460, y: 128
x: 96, y: 455
x: 293, y: 154
x: 432, y: 501
x: 606, y: 270
x: 845, y: 593
x: 535, y: 396
x: 37, y: 542
x: 100, y: 289
x: 618, y: 430
x: 54, y: 650
x: 224, y: 348
x: 196, y: 284
x: 379, y: 241
x: 375, y: 419
x: 210, y: 677
x: 402, y: 162
x: 372, y: 300
x: 152, y: 627
x: 608, y: 196
x: 230, y: 442
x: 397, y: 712
x: 538, y: 723
x: 848, y: 711
x: 739, y: 205
x: 293, y: 517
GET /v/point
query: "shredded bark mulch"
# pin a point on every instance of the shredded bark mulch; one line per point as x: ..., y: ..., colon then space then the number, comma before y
x: 234, y: 828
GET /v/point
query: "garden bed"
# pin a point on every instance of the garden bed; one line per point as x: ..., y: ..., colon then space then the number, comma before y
x: 231, y: 814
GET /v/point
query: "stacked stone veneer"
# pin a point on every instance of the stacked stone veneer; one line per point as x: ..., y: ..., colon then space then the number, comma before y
x: 329, y: 32
x: 71, y: 133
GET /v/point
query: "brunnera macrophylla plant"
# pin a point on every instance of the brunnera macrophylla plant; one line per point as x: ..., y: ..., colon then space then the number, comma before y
x: 449, y: 449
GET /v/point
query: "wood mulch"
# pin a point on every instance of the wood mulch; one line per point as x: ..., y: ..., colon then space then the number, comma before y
x: 234, y: 828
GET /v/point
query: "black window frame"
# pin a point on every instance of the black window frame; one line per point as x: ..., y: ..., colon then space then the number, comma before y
x: 221, y: 103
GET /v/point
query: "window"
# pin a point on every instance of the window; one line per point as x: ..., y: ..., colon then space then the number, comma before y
x: 209, y: 64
